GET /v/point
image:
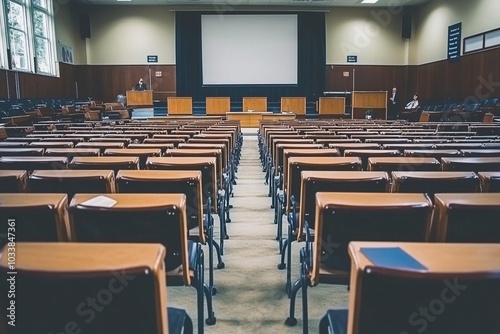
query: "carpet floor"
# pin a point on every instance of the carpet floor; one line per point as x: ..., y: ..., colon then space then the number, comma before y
x: 251, y: 295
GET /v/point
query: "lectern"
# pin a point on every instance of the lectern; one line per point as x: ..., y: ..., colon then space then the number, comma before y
x: 139, y: 98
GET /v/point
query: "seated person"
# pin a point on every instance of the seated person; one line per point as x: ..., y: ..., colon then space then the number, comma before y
x: 413, y: 104
x: 140, y: 86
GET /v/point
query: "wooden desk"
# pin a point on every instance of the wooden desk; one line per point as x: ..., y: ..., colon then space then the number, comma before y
x: 59, y: 259
x: 252, y: 119
x: 218, y: 105
x: 142, y: 98
x: 331, y: 106
x: 296, y: 105
x: 376, y: 101
x: 180, y: 106
x: 257, y: 104
x: 437, y: 257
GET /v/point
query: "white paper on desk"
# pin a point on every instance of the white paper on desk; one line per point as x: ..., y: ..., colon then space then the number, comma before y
x: 100, y: 201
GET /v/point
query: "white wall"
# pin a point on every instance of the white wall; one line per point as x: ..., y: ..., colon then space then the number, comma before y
x: 431, y: 21
x: 68, y: 33
x: 374, y: 35
x: 125, y: 35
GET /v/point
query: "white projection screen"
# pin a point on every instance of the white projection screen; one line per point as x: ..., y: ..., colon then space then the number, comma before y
x: 249, y: 49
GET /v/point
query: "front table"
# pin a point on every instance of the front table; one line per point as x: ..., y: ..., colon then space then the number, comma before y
x: 252, y: 119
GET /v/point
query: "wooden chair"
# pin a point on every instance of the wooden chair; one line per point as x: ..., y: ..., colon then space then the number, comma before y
x: 213, y: 198
x: 162, y: 146
x: 33, y: 163
x: 71, y: 182
x: 109, y: 162
x: 102, y: 145
x: 458, y: 290
x: 142, y: 153
x: 70, y: 153
x: 289, y: 198
x: 391, y: 164
x: 483, y: 164
x: 20, y: 151
x: 58, y: 279
x: 52, y: 144
x: 188, y: 183
x: 490, y: 182
x: 480, y: 152
x: 431, y: 183
x: 365, y: 154
x: 313, y: 182
x: 432, y: 153
x: 13, y: 181
x: 146, y: 218
x: 468, y: 218
x: 345, y: 217
x: 37, y: 217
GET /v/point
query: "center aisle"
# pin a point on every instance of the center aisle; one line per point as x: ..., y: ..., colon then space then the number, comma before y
x: 251, y: 297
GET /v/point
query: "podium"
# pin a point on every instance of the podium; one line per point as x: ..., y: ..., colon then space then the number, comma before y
x: 139, y: 98
x: 376, y: 101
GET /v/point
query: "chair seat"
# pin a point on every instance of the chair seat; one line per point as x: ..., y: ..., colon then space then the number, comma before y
x: 178, y: 321
x: 335, y: 321
x: 328, y: 275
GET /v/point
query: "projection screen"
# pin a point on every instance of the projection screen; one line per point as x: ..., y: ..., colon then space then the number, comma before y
x: 249, y: 49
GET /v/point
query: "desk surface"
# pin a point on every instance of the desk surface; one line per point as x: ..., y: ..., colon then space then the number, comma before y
x: 437, y: 257
x: 67, y: 257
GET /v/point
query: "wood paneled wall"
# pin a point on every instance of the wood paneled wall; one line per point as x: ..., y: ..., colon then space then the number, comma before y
x: 99, y: 82
x: 474, y: 77
x: 105, y: 82
x: 368, y: 78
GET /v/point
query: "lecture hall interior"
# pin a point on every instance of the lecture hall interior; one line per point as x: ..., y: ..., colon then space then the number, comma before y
x: 327, y: 166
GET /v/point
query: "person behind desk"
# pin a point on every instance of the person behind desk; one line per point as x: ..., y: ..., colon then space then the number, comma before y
x: 140, y: 86
x: 393, y: 104
x: 413, y: 104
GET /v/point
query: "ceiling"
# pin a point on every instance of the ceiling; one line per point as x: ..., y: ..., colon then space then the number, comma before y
x: 252, y: 3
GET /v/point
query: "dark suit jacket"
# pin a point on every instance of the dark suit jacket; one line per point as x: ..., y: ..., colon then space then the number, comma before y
x: 140, y: 87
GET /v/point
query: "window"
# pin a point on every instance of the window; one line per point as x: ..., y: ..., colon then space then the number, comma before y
x: 3, y: 47
x: 30, y: 27
x: 485, y: 40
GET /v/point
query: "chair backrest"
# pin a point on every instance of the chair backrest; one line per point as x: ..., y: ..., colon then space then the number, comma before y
x: 313, y: 182
x: 142, y: 153
x: 134, y: 218
x: 206, y: 165
x: 20, y: 151
x: 13, y: 181
x: 432, y: 153
x: 481, y: 152
x: 490, y: 182
x: 109, y: 162
x: 35, y: 217
x: 298, y: 164
x: 70, y: 153
x: 33, y: 163
x: 192, y: 152
x: 454, y: 302
x: 187, y: 182
x: 71, y: 182
x: 435, y: 182
x: 125, y: 283
x: 345, y: 217
x: 365, y: 154
x: 482, y: 164
x: 424, y: 116
x: 390, y: 164
x: 471, y: 218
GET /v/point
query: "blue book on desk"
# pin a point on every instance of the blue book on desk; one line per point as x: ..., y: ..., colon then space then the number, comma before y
x: 392, y: 257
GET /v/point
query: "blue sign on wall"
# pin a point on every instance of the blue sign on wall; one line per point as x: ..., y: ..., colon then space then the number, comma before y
x: 454, y: 41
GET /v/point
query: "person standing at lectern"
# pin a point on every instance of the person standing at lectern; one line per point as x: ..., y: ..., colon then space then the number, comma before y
x: 393, y: 104
x: 140, y: 86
